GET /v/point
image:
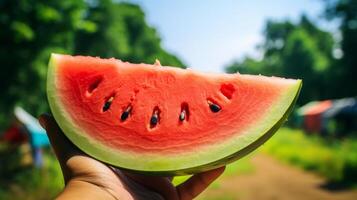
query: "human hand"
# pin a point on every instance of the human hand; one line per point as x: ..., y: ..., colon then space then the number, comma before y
x: 88, y: 178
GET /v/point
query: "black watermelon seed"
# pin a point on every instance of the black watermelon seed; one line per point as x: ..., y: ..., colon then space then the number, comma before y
x: 182, y: 115
x: 154, y: 120
x: 125, y: 114
x: 214, y: 107
x: 155, y: 117
x: 107, y: 104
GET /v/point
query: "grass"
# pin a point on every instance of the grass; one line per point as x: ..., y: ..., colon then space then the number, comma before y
x: 29, y: 183
x: 334, y: 159
x: 226, y: 196
x: 242, y: 166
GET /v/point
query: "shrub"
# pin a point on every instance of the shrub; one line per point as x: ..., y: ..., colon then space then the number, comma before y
x: 334, y: 159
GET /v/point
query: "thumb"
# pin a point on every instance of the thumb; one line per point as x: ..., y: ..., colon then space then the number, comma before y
x: 63, y: 148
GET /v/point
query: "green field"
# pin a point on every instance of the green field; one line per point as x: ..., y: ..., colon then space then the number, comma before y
x: 334, y: 159
x: 29, y: 183
x: 242, y: 166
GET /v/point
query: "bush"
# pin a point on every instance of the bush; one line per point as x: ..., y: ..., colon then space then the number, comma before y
x: 27, y: 182
x: 334, y: 159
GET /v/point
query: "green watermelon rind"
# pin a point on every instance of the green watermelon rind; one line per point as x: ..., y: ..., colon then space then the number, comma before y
x: 204, y: 159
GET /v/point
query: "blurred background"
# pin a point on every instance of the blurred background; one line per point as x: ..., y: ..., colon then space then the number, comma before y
x: 313, y: 157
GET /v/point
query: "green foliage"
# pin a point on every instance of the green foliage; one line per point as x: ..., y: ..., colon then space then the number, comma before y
x: 42, y: 183
x: 298, y: 50
x: 248, y: 65
x: 302, y: 50
x: 345, y: 69
x: 239, y: 167
x: 336, y: 160
x: 31, y: 30
x: 122, y: 32
x: 302, y: 58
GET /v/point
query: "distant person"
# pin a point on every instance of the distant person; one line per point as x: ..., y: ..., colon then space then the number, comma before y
x: 87, y: 178
x: 16, y: 134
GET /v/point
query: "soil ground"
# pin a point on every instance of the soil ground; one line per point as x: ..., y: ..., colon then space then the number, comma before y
x: 273, y: 180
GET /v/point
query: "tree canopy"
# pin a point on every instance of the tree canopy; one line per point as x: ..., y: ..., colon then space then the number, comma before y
x: 345, y: 69
x: 32, y: 29
x: 291, y: 50
x: 302, y: 50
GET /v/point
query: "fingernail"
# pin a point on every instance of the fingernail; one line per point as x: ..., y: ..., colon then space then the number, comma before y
x: 42, y: 122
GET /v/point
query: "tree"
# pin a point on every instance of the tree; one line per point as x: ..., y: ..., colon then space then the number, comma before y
x: 302, y: 58
x: 247, y: 66
x: 345, y: 70
x: 31, y: 29
x: 122, y: 32
x: 291, y: 50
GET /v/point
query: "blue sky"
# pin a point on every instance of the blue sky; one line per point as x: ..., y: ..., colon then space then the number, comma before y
x: 209, y: 34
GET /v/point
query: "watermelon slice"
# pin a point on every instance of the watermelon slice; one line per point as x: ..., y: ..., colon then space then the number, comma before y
x: 164, y: 120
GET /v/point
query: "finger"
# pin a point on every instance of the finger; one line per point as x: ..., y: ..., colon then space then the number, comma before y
x: 162, y: 185
x: 197, y: 184
x: 62, y: 147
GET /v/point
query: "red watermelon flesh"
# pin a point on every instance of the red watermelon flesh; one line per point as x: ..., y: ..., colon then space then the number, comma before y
x: 163, y: 120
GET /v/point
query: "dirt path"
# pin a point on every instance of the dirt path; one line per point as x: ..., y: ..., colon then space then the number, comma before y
x: 273, y: 180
